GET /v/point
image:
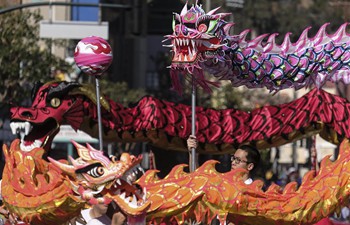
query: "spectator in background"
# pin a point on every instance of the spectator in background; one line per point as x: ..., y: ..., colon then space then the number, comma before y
x: 270, y: 178
x: 102, y: 214
x: 293, y: 176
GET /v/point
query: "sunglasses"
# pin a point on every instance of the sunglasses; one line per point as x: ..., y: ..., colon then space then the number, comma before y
x: 237, y: 160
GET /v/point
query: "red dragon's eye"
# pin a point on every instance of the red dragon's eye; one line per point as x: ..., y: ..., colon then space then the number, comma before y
x: 202, y: 27
x: 55, y: 102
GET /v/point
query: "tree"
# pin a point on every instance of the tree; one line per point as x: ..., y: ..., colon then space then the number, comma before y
x: 119, y: 92
x: 266, y: 16
x: 24, y: 57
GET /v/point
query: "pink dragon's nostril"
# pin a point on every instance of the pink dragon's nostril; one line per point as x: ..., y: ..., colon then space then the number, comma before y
x: 177, y: 29
x: 184, y: 30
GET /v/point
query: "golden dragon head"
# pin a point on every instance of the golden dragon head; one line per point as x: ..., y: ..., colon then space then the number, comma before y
x: 101, y: 179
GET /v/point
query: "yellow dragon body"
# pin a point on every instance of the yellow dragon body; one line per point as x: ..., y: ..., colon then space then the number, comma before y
x: 205, y: 193
x: 40, y: 193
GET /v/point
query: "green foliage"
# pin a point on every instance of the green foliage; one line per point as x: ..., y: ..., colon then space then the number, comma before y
x: 119, y: 92
x: 228, y: 97
x: 24, y: 57
x: 224, y: 97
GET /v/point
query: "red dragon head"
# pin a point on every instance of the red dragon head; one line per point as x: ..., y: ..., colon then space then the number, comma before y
x: 53, y: 104
x: 99, y: 179
x: 38, y: 124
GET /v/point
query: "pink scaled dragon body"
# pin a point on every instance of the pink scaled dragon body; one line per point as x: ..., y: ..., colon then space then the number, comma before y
x: 201, y: 43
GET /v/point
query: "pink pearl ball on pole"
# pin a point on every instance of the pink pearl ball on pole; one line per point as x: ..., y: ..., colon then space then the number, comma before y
x: 93, y: 55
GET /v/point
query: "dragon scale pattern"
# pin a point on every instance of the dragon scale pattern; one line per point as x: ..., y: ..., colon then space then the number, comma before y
x: 167, y: 125
x: 289, y: 65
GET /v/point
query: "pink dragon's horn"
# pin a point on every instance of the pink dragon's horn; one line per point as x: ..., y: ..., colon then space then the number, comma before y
x: 90, y: 147
x: 98, y: 155
x: 211, y: 12
x: 184, y: 10
x: 73, y: 161
x: 227, y: 27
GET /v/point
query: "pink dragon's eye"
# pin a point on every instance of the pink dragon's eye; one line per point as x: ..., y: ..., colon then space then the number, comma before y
x: 202, y: 27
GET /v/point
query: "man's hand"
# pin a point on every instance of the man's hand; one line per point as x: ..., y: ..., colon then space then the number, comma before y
x: 192, y: 142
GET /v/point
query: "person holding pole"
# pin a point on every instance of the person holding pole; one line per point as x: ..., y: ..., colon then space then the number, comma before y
x: 192, y: 143
x: 246, y: 157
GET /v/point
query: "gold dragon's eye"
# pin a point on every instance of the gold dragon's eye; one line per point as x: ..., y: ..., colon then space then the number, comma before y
x: 113, y: 158
x: 96, y: 172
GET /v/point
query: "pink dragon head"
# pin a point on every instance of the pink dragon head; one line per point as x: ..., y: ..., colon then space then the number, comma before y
x: 197, y: 36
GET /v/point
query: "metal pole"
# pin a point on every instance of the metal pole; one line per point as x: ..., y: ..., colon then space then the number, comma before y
x: 99, y: 14
x: 207, y: 5
x: 50, y: 12
x: 99, y: 112
x: 294, y: 144
x: 193, y: 131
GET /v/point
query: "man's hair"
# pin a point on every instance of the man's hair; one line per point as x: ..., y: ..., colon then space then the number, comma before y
x: 253, y: 155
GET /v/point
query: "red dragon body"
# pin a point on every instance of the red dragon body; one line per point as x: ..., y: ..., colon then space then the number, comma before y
x: 167, y: 125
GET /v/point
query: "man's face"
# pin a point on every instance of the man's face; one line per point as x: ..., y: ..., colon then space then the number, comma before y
x: 101, y: 208
x: 239, y: 160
